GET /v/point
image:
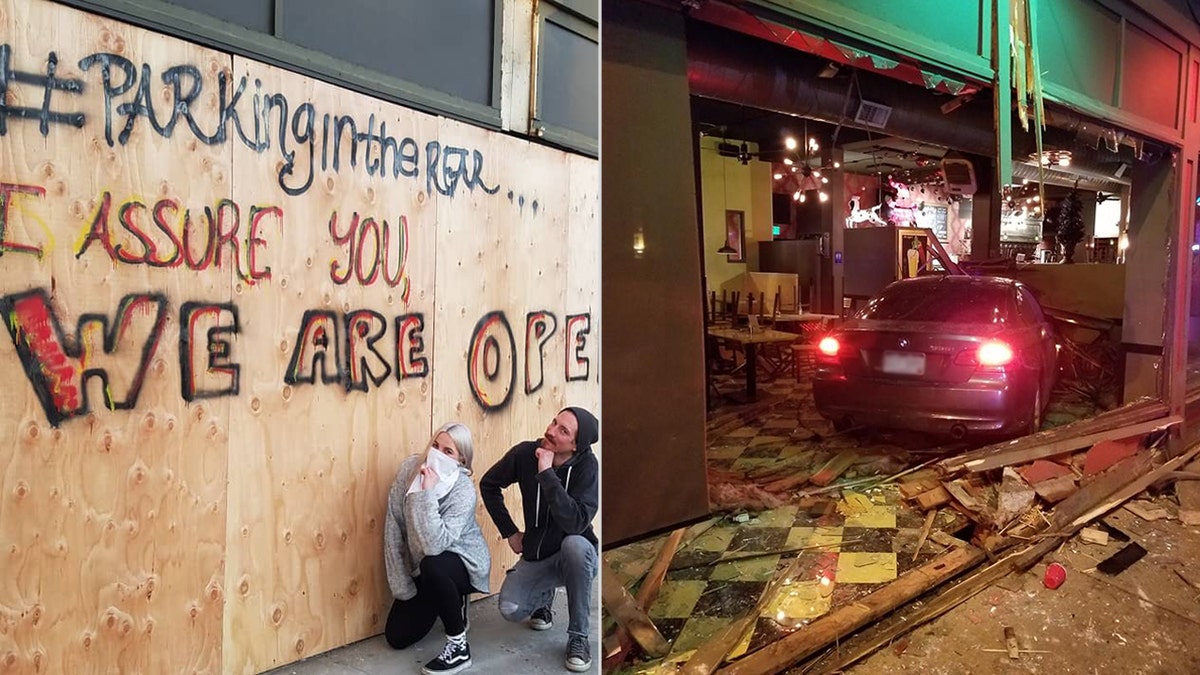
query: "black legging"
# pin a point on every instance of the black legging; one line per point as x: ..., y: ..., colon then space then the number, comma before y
x: 441, y: 588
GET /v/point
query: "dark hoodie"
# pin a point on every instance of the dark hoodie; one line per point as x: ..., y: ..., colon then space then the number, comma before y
x: 556, y: 502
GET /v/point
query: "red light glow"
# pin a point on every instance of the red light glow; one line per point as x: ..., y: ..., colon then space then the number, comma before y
x: 829, y: 346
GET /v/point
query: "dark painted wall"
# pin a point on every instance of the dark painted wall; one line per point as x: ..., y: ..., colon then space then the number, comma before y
x: 653, y: 392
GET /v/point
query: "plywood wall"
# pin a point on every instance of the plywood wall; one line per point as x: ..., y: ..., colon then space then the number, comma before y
x: 221, y: 341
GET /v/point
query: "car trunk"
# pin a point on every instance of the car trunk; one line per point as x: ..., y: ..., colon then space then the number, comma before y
x: 912, y: 351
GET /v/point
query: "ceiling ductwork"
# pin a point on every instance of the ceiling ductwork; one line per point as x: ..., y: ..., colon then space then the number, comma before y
x: 738, y: 69
x: 734, y: 68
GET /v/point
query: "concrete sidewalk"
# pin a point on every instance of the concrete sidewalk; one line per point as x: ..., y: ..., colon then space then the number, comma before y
x: 497, y: 646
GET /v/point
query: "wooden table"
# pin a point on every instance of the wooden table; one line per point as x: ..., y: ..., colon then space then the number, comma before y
x: 749, y: 342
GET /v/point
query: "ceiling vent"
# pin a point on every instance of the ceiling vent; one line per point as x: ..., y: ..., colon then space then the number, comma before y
x: 959, y: 175
x: 872, y: 114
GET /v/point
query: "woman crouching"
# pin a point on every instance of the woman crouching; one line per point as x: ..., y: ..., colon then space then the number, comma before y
x: 433, y: 548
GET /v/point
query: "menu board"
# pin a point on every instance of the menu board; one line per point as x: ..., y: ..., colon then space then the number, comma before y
x: 1024, y: 226
x: 934, y: 218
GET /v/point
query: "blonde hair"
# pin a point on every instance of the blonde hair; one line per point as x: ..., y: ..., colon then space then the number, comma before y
x: 461, y: 435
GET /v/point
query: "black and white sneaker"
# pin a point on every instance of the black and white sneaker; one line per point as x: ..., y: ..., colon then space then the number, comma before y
x: 455, y: 657
x: 579, y: 654
x: 541, y: 619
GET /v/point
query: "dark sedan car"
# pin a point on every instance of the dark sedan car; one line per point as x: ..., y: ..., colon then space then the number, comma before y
x: 951, y: 355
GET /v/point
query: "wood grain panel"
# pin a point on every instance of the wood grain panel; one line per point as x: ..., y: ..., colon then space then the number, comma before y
x: 236, y: 298
x: 112, y: 512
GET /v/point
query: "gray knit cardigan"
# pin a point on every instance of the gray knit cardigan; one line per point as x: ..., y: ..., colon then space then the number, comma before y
x: 417, y: 526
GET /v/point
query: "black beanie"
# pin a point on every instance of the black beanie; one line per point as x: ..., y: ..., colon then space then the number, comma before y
x: 588, y: 431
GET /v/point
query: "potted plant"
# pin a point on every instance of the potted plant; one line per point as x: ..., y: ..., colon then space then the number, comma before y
x: 1066, y: 221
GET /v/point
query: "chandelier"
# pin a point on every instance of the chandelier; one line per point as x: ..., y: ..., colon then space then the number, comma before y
x: 798, y: 174
x: 1051, y: 158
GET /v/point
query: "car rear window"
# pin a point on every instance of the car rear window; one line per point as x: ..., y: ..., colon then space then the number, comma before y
x: 957, y: 303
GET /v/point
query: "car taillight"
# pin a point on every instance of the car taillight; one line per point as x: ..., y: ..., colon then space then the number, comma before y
x: 828, y: 346
x: 994, y: 353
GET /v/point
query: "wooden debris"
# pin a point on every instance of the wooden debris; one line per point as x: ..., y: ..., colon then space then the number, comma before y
x: 1122, y: 422
x: 909, y: 489
x: 968, y: 492
x: 1056, y: 489
x: 783, y: 484
x: 834, y: 468
x: 1132, y: 488
x: 824, y: 631
x: 1092, y: 535
x: 1093, y: 501
x: 934, y: 498
x: 946, y: 539
x: 1147, y: 510
x: 929, y: 517
x: 658, y: 571
x: 1188, y: 493
x: 624, y: 610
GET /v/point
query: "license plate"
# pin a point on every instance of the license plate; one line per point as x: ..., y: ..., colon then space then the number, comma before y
x: 903, y: 363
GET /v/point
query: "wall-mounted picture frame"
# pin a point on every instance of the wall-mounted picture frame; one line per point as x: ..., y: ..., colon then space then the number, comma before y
x: 735, y: 235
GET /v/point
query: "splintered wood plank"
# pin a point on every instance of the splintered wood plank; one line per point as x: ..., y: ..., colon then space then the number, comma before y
x: 624, y: 610
x: 1188, y: 492
x: 1066, y: 443
x: 1062, y: 439
x: 929, y: 517
x: 909, y: 489
x: 658, y: 571
x: 833, y: 626
x: 934, y: 498
x: 1056, y: 489
x: 834, y: 468
x: 782, y: 484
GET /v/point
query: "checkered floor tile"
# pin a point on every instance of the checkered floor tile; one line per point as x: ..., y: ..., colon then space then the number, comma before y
x: 852, y: 546
x: 853, y: 543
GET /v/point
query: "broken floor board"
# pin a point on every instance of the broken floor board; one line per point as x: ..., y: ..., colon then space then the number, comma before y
x: 798, y: 645
x: 1062, y: 439
x: 624, y: 610
x: 654, y: 578
x: 1134, y: 488
x: 1066, y: 443
x: 1017, y: 561
x: 834, y: 467
x: 933, y: 498
x: 1056, y: 489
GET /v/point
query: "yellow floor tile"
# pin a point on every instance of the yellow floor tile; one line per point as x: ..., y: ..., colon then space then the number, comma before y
x: 746, y: 432
x: 751, y: 569
x: 777, y: 517
x: 677, y: 599
x: 866, y: 568
x: 698, y: 630
x: 799, y: 536
x: 715, y: 538
x: 799, y: 601
x: 830, y: 537
x: 877, y: 515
